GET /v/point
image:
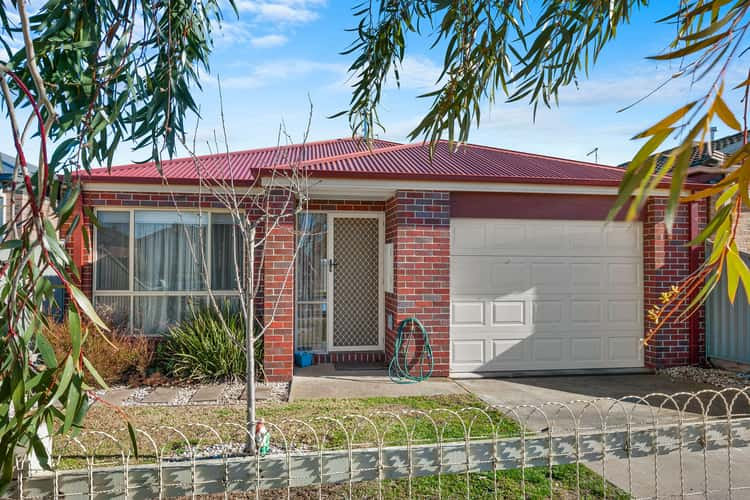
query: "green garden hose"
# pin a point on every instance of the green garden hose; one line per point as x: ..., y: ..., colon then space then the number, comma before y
x: 401, y: 370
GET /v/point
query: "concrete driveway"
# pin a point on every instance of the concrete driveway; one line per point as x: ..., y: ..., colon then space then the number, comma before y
x: 618, y: 402
x: 591, y: 400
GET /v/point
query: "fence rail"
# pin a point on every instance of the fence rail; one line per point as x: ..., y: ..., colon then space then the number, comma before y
x: 657, y: 446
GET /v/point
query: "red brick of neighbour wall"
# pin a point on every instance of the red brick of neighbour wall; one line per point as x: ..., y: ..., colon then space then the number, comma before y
x: 667, y: 261
x: 418, y: 225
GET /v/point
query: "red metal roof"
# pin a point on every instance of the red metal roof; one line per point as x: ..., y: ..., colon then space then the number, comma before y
x: 468, y: 162
x: 351, y: 158
x: 239, y: 166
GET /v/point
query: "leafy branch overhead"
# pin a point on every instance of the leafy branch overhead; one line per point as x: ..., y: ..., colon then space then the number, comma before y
x: 518, y: 50
x: 88, y: 77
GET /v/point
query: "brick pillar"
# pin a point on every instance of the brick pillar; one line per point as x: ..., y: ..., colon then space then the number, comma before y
x: 278, y: 296
x: 418, y: 224
x: 75, y: 244
x: 666, y: 261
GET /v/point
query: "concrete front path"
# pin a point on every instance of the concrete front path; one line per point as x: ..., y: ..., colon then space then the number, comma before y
x: 686, y: 470
x: 324, y: 381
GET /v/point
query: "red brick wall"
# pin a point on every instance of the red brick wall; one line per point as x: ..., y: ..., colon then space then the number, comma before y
x: 666, y: 262
x: 278, y: 275
x: 418, y: 225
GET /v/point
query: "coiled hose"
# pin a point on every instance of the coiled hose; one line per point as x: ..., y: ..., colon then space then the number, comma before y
x: 401, y: 370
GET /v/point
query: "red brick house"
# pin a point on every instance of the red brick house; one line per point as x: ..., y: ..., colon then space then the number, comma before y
x: 504, y: 256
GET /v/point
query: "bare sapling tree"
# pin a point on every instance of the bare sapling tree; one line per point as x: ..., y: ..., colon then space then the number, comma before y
x: 258, y: 209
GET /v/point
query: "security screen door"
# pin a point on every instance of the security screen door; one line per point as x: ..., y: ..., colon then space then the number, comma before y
x: 337, y: 284
x: 356, y: 276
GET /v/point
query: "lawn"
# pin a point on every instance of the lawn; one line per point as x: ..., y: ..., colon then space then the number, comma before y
x: 307, y: 425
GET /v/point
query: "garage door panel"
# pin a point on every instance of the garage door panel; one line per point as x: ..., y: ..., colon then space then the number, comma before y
x: 582, y: 236
x: 624, y: 348
x: 508, y: 312
x: 547, y: 349
x: 586, y: 349
x: 547, y: 312
x: 568, y: 295
x: 585, y: 311
x: 625, y: 312
x: 551, y: 275
x: 623, y: 238
x: 467, y: 312
x: 468, y: 351
x: 507, y: 350
x: 624, y: 274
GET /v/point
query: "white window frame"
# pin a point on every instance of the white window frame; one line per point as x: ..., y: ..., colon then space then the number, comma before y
x: 131, y: 293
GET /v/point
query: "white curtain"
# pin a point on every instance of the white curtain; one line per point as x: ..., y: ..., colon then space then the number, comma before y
x: 311, y: 279
x: 226, y: 252
x: 157, y: 314
x: 169, y: 257
x: 169, y: 251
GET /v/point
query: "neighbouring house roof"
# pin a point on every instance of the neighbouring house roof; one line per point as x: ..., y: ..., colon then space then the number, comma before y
x: 351, y: 158
x: 7, y: 165
x: 704, y: 156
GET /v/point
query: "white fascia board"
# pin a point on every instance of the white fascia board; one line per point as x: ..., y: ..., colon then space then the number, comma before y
x: 117, y: 187
x: 378, y: 189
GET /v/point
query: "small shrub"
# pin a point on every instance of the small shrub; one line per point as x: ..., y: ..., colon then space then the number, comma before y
x: 120, y: 357
x: 202, y: 349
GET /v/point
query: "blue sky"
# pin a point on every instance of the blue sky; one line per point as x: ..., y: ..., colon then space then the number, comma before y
x: 279, y: 52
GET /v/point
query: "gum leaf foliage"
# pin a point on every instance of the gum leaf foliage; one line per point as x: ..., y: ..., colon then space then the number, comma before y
x: 105, y: 73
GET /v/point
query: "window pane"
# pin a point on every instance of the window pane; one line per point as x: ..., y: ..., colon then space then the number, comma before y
x: 311, y: 272
x: 226, y: 252
x: 169, y: 251
x: 311, y: 327
x: 311, y: 280
x: 112, y: 250
x: 156, y: 315
x: 115, y: 311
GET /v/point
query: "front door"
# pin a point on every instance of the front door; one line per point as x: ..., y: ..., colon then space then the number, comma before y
x: 339, y: 298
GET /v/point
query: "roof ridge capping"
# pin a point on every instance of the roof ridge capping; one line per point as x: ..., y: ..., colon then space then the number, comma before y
x: 356, y: 154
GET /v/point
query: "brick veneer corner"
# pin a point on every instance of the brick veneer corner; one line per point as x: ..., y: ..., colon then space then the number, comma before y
x: 418, y: 225
x: 667, y: 261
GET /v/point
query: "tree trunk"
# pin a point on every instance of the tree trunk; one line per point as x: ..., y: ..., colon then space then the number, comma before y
x: 250, y: 346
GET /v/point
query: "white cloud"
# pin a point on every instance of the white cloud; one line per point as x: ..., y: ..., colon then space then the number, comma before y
x: 416, y: 73
x: 231, y: 33
x: 282, y: 11
x: 268, y: 41
x: 265, y: 74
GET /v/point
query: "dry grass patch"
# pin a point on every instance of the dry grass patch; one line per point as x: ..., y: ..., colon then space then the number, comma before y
x: 303, y: 424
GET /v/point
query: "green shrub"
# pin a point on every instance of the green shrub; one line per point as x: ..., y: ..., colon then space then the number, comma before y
x: 203, y: 348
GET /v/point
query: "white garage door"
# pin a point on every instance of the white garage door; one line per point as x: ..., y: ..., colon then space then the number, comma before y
x: 545, y: 295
